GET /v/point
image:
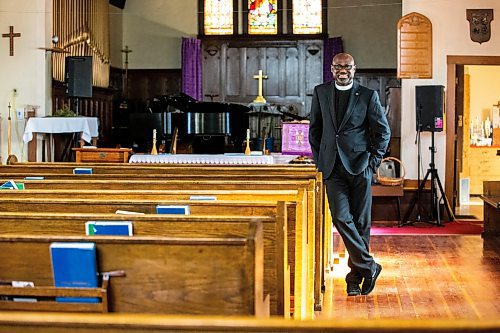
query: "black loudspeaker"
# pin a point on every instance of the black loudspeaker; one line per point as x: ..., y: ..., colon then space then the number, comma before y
x: 429, y: 108
x: 118, y: 3
x: 78, y: 76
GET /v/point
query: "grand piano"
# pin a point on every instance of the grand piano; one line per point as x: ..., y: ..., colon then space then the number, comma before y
x: 203, y: 127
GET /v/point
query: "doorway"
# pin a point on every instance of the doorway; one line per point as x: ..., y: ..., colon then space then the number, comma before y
x: 456, y: 68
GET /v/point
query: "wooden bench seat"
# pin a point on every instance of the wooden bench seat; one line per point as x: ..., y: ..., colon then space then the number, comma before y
x: 277, y: 264
x: 395, y: 192
x: 164, y: 274
x: 304, y: 238
x: 15, y: 322
x: 315, y: 208
x: 314, y: 198
x: 491, y: 208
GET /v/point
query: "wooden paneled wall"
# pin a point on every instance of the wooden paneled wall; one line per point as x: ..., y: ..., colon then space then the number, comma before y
x: 144, y: 84
x: 100, y: 106
x: 388, y: 86
x: 293, y: 68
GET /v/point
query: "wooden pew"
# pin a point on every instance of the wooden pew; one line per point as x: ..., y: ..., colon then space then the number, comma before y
x: 164, y: 274
x: 491, y: 208
x: 65, y: 167
x: 304, y: 244
x: 273, y: 217
x: 15, y: 322
x: 263, y: 173
x: 310, y: 185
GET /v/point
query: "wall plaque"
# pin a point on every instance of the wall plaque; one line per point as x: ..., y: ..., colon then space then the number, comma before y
x: 414, y: 47
x: 479, y: 24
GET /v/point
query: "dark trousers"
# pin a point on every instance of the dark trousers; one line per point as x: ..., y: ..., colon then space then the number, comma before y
x: 350, y: 199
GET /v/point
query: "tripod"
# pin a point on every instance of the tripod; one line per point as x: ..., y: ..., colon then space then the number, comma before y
x: 434, y: 216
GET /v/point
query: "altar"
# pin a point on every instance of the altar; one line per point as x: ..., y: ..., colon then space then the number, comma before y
x: 86, y: 126
x: 221, y: 159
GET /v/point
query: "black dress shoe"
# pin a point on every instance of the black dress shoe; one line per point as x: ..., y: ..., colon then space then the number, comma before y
x: 353, y: 289
x: 369, y: 283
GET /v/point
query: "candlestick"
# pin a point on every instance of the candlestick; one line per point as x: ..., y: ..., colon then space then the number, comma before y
x: 153, y: 150
x: 247, y: 149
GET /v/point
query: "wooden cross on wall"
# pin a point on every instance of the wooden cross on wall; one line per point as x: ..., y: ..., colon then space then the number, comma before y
x: 11, y: 35
x: 126, y: 50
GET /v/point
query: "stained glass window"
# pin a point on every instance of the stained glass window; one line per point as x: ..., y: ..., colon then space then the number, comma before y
x: 262, y: 17
x: 307, y: 16
x: 218, y: 17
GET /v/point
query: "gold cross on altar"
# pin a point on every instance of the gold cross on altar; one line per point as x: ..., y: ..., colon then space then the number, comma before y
x: 260, y: 77
x: 11, y: 35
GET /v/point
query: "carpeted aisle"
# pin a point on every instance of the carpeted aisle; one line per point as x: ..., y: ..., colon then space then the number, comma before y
x: 421, y: 228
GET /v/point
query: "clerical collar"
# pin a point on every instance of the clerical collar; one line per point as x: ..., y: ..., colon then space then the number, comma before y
x: 349, y: 86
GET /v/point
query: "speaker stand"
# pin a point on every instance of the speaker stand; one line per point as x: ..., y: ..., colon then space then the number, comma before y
x: 77, y: 106
x: 434, y: 216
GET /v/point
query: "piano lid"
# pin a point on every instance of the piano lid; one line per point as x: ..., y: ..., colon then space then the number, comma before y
x: 185, y: 103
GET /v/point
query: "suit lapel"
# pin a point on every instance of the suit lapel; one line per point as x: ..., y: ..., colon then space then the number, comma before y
x: 331, y: 103
x: 353, y: 99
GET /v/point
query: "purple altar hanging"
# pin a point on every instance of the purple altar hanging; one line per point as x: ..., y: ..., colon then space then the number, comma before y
x: 191, y: 67
x: 332, y: 47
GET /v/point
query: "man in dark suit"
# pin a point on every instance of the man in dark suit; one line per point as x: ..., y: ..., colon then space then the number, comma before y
x: 349, y: 135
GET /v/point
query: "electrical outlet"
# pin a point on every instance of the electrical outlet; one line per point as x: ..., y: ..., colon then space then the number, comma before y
x: 20, y: 114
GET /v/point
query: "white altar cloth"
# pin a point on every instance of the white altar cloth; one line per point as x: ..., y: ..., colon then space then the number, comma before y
x: 228, y: 159
x: 88, y: 126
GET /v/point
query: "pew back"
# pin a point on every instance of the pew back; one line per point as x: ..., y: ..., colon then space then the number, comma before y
x: 164, y: 274
x: 276, y: 263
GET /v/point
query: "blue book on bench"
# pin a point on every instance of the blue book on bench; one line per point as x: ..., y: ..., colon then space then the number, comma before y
x: 172, y: 209
x: 74, y: 265
x: 82, y: 171
x: 108, y: 228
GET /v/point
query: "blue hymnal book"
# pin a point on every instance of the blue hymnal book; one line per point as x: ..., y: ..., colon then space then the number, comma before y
x: 108, y: 228
x: 82, y: 171
x: 74, y: 265
x: 10, y: 184
x: 172, y: 209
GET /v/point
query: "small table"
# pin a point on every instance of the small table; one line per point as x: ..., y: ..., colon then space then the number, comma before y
x: 102, y: 155
x: 87, y: 126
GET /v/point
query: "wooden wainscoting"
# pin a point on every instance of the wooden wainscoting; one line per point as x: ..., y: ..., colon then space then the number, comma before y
x: 100, y: 106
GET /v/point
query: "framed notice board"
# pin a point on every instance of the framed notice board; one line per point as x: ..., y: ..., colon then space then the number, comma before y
x: 414, y: 47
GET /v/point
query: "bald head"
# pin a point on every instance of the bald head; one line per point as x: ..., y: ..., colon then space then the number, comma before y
x: 343, y: 69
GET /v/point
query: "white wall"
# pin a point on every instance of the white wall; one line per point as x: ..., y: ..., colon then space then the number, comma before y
x: 450, y: 37
x: 116, y: 57
x: 153, y: 30
x: 368, y: 29
x: 26, y: 70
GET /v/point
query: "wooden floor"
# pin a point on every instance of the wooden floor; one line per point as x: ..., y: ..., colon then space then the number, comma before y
x: 434, y: 277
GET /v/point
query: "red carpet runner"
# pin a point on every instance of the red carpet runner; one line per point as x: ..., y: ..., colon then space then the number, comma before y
x: 448, y: 228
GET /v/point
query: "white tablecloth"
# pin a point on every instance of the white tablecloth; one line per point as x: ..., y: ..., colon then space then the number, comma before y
x: 209, y: 159
x: 88, y: 126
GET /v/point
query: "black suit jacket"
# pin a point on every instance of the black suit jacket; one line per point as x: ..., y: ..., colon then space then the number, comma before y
x: 360, y: 140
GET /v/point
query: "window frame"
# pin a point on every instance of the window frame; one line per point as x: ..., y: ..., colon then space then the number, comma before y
x: 280, y: 22
x: 201, y: 19
x: 324, y: 19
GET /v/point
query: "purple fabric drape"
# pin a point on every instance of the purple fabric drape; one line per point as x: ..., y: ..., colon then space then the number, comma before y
x: 191, y: 67
x: 332, y: 47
